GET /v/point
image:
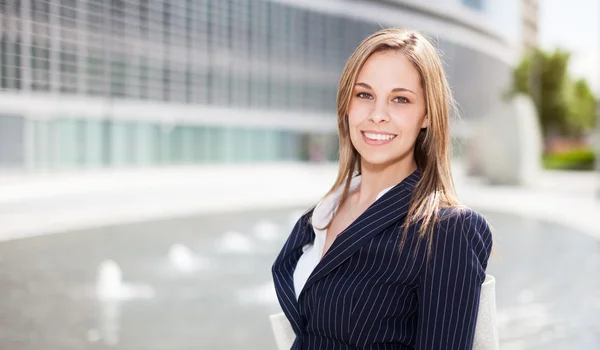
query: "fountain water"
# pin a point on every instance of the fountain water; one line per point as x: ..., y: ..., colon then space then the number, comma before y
x: 109, y: 282
x: 110, y: 285
x: 235, y: 242
x: 266, y: 230
x: 183, y: 259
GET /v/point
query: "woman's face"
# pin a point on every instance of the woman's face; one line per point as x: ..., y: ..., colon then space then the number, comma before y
x: 387, y: 109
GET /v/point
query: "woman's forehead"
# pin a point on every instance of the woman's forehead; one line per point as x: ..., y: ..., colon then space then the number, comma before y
x: 389, y: 70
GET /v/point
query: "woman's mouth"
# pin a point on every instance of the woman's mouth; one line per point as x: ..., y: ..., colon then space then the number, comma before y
x: 377, y: 138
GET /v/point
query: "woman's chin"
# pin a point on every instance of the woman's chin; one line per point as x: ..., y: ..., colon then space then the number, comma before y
x: 378, y: 160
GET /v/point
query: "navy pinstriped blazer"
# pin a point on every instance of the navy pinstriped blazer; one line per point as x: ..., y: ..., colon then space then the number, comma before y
x: 366, y: 293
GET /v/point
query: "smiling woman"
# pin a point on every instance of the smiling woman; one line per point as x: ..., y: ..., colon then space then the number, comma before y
x: 388, y: 258
x: 386, y: 108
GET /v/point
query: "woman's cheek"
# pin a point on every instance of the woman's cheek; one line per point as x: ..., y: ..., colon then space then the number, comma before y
x: 355, y: 117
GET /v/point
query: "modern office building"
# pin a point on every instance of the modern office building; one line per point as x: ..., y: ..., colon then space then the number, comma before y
x: 117, y: 83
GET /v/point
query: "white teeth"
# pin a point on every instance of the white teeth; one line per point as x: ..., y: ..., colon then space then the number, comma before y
x: 378, y: 136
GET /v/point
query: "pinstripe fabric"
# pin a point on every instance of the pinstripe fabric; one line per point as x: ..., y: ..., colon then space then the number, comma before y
x: 367, y: 294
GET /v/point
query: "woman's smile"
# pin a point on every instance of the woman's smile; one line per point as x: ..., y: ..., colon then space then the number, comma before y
x: 377, y: 138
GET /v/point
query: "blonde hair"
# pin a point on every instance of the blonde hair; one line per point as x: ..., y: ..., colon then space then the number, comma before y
x: 435, y: 189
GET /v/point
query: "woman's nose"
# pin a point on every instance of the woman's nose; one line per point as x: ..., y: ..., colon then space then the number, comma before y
x: 379, y: 113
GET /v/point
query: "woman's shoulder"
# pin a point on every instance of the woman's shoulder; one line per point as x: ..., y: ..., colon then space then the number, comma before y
x: 464, y: 216
x: 464, y: 223
x: 461, y: 235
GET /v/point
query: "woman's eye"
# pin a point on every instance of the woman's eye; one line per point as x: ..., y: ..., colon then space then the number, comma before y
x: 363, y: 95
x: 401, y: 99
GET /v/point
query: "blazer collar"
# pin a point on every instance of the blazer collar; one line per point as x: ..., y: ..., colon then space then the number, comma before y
x: 385, y: 211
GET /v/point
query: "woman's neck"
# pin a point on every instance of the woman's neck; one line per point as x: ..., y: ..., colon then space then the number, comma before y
x: 375, y: 178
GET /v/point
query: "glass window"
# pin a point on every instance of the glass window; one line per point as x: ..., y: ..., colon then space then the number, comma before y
x: 243, y: 149
x: 95, y: 18
x: 215, y: 144
x: 315, y: 40
x: 333, y: 147
x: 187, y: 144
x: 117, y: 17
x: 228, y: 145
x: 197, y: 150
x: 146, y: 145
x: 259, y: 91
x: 120, y: 144
x: 68, y: 146
x: 107, y: 137
x: 155, y: 79
x: 68, y: 67
x: 40, y: 64
x: 240, y: 96
x: 40, y: 10
x: 166, y: 81
x: 10, y: 62
x: 303, y: 144
x: 144, y: 15
x: 68, y: 13
x: 95, y: 73
x: 131, y: 139
x: 219, y: 86
x: 39, y: 138
x: 203, y: 144
x: 176, y: 144
x: 240, y: 23
x: 278, y: 96
x: 117, y: 75
x: 93, y: 143
x: 161, y: 141
x: 474, y: 4
x: 36, y: 156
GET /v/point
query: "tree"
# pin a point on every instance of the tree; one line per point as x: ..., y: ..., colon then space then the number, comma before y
x: 582, y: 108
x: 542, y: 76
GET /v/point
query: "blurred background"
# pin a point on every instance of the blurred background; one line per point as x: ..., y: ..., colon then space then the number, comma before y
x: 155, y: 154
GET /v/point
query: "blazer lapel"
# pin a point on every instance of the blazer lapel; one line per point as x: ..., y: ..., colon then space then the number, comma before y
x: 385, y: 211
x: 283, y: 269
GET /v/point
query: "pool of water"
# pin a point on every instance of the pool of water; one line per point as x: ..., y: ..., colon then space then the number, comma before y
x: 213, y: 289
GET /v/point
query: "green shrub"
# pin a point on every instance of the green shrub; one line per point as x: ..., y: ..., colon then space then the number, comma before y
x: 576, y: 159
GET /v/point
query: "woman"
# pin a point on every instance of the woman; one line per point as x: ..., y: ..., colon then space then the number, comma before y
x: 388, y: 259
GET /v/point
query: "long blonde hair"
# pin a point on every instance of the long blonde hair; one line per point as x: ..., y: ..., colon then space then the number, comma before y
x: 435, y: 189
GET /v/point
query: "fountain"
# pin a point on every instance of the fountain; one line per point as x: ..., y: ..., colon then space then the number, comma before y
x: 110, y: 285
x: 183, y: 259
x: 109, y: 281
x: 235, y: 242
x: 266, y: 230
x: 111, y: 291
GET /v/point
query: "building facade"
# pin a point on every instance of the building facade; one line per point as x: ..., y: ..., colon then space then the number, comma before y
x: 116, y: 83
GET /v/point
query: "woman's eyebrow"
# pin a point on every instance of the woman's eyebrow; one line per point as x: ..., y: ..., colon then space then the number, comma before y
x: 401, y: 89
x: 365, y: 85
x: 398, y: 89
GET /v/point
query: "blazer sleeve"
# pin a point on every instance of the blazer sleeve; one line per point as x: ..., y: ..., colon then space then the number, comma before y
x: 450, y: 283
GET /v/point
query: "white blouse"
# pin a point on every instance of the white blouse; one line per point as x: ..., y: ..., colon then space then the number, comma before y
x: 322, y: 215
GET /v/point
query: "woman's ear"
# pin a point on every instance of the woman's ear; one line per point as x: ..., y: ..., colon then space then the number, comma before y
x: 425, y: 123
